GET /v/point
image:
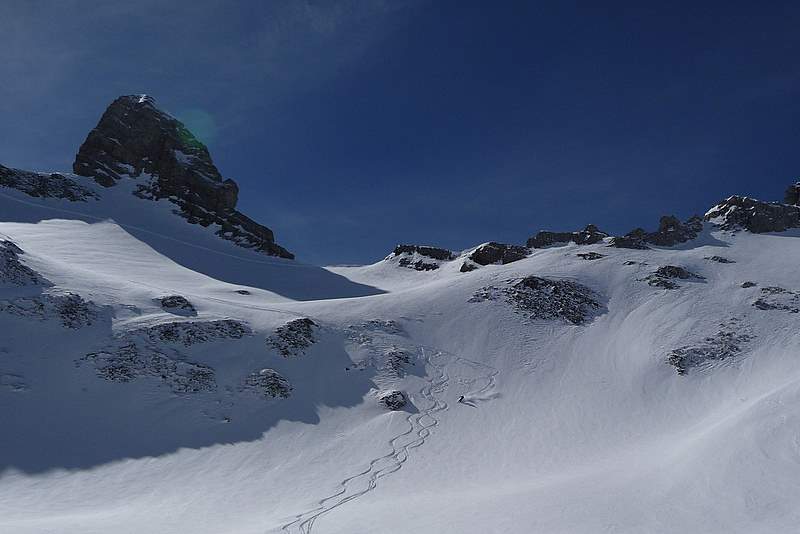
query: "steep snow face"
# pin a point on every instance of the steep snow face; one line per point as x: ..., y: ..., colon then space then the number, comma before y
x: 551, y: 394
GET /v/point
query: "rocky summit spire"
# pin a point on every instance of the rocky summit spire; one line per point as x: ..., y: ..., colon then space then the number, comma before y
x: 135, y: 139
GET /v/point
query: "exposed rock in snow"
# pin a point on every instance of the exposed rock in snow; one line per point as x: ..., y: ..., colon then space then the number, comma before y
x: 719, y: 259
x: 70, y: 309
x: 127, y: 361
x: 393, y: 400
x: 493, y: 253
x: 738, y: 212
x: 748, y: 283
x: 724, y: 344
x: 421, y: 258
x: 545, y: 299
x: 44, y: 185
x: 192, y: 332
x: 590, y: 255
x: 670, y: 233
x: 178, y: 305
x: 267, y: 383
x: 663, y: 276
x: 778, y: 298
x: 588, y: 236
x: 15, y: 273
x: 135, y: 138
x: 293, y: 338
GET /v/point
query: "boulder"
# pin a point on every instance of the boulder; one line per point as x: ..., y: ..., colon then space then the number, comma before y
x: 393, y: 400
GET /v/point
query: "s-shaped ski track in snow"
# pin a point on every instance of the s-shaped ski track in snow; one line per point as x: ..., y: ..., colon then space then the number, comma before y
x: 417, y: 433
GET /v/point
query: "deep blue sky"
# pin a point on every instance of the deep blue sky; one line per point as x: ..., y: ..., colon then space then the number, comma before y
x: 352, y: 126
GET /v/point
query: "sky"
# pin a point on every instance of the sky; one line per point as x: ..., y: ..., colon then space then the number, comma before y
x: 353, y: 126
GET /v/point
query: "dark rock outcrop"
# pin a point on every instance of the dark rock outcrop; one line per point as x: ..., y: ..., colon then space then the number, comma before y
x: 13, y: 271
x: 588, y: 236
x: 135, y: 138
x: 44, y: 185
x: 792, y: 195
x: 719, y: 259
x: 177, y: 304
x: 127, y: 361
x: 545, y: 299
x: 293, y: 338
x: 393, y: 400
x: 193, y: 332
x: 421, y: 258
x: 778, y: 298
x: 671, y: 232
x: 493, y: 253
x: 723, y: 345
x: 590, y: 256
x: 71, y: 310
x: 747, y: 213
x: 268, y: 383
x: 663, y: 276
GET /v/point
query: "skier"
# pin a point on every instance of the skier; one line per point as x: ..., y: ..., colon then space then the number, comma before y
x: 461, y: 399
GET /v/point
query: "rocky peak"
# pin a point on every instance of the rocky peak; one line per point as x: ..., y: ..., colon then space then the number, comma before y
x: 134, y: 138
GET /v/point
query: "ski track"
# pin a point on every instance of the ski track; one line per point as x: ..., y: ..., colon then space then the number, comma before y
x: 420, y: 426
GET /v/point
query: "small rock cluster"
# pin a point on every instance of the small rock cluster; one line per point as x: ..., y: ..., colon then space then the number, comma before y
x: 719, y: 259
x: 126, y: 361
x: 44, y: 185
x: 664, y: 276
x: 192, y: 332
x: 493, y: 253
x: 293, y: 338
x: 267, y: 383
x: 545, y: 299
x: 726, y: 343
x: 778, y: 298
x: 177, y: 304
x: 590, y: 255
x: 70, y: 309
x: 588, y: 236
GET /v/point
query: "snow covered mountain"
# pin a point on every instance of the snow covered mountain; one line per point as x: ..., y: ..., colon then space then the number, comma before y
x: 164, y: 367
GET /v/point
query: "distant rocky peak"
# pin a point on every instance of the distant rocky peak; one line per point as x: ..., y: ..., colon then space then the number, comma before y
x: 135, y: 137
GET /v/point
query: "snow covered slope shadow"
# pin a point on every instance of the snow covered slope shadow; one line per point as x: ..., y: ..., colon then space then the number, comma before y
x: 587, y: 383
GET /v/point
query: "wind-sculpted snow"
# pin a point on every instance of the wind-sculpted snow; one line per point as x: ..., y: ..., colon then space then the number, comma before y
x: 68, y: 308
x: 13, y: 272
x: 44, y: 185
x: 126, y: 362
x: 726, y: 343
x: 293, y: 338
x: 192, y: 332
x: 545, y: 299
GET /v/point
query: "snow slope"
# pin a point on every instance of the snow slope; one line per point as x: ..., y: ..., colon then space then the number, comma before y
x: 566, y: 427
